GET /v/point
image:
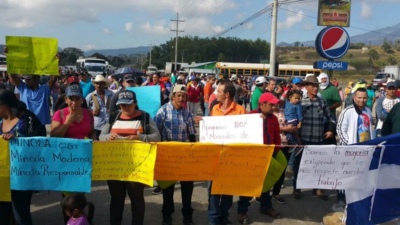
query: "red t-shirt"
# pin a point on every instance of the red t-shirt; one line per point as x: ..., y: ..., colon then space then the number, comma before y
x: 76, y: 130
x: 271, y: 130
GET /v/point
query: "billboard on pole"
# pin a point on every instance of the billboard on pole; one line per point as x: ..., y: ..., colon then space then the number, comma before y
x: 334, y: 13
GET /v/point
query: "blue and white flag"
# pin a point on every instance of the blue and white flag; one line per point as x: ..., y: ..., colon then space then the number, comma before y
x: 379, y: 201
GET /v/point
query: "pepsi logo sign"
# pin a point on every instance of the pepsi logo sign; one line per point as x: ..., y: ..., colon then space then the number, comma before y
x: 332, y: 42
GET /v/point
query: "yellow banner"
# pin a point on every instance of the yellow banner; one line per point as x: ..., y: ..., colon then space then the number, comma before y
x: 125, y: 161
x: 5, y: 190
x: 186, y: 161
x: 241, y: 169
x: 32, y: 55
x: 276, y: 168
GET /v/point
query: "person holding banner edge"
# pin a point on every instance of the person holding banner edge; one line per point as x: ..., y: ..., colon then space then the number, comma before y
x: 17, y: 121
x: 176, y: 124
x: 128, y: 124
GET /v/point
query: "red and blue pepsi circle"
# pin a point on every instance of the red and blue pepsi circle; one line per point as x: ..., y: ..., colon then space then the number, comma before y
x: 332, y: 42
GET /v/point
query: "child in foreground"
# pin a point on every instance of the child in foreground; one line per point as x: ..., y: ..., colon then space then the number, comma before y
x: 73, y: 205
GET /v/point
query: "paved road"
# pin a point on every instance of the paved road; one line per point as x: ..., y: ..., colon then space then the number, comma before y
x: 46, y: 208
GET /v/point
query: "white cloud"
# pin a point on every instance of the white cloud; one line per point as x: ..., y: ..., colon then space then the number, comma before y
x: 106, y: 31
x: 217, y: 29
x: 89, y: 47
x: 128, y: 26
x: 366, y: 10
x: 240, y: 15
x: 292, y: 19
x: 159, y: 29
x: 308, y: 26
x: 249, y: 26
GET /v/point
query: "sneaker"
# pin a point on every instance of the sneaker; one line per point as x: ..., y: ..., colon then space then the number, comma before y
x: 278, y: 199
x: 187, y: 220
x: 157, y: 191
x: 283, y: 186
x: 296, y: 194
x: 258, y: 200
x: 243, y: 219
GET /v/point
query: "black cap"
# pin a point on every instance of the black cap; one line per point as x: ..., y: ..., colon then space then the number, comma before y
x: 128, y: 77
x: 126, y: 97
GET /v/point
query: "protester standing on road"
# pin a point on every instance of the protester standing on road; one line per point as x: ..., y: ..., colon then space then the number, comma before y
x: 219, y: 205
x: 99, y: 103
x: 35, y: 96
x: 316, y: 116
x: 195, y: 93
x: 86, y: 84
x: 384, y: 105
x: 239, y: 91
x: 128, y: 81
x: 208, y: 90
x: 128, y: 124
x: 261, y: 84
x: 271, y: 136
x: 175, y: 123
x: 329, y: 93
x: 17, y: 121
x: 392, y: 121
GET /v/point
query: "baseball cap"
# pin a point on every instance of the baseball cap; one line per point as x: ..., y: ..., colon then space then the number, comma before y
x: 391, y: 84
x: 73, y: 79
x: 261, y: 80
x: 179, y: 88
x: 234, y: 77
x: 297, y: 80
x: 129, y: 77
x: 73, y: 90
x: 268, y: 97
x: 126, y: 98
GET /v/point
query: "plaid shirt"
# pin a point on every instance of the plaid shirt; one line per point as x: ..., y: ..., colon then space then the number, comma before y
x: 174, y: 125
x: 316, y: 116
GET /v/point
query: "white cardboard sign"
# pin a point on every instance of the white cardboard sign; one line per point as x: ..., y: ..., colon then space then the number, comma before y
x: 244, y: 129
x: 334, y: 167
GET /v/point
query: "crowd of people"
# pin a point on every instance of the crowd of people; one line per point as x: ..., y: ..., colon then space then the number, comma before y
x: 300, y: 112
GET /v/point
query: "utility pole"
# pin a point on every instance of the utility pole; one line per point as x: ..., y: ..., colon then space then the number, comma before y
x: 176, y: 38
x: 272, y: 56
x: 151, y: 48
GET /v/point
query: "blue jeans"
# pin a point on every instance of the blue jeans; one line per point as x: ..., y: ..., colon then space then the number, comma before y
x: 218, y: 206
x: 207, y: 111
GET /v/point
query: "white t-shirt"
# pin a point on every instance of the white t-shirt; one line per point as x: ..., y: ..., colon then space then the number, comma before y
x: 387, y: 105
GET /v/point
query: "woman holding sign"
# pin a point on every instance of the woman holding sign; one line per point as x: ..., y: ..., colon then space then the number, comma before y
x: 128, y: 124
x: 17, y: 121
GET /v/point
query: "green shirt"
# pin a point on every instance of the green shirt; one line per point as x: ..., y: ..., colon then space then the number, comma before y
x: 371, y: 95
x: 255, y: 97
x: 331, y: 96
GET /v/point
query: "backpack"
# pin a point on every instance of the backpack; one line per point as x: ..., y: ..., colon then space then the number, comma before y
x: 32, y: 125
x: 96, y: 102
x: 349, y: 100
x: 144, y: 120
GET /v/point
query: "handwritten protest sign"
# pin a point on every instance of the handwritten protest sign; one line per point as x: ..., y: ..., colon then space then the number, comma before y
x: 334, y: 167
x: 148, y: 98
x: 232, y: 129
x: 124, y: 160
x: 186, y: 161
x: 275, y: 170
x: 5, y: 190
x: 54, y: 164
x: 241, y: 169
x: 32, y: 55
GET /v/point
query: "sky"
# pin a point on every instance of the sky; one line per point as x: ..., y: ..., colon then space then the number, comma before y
x: 105, y: 24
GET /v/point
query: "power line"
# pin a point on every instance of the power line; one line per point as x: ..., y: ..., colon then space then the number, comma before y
x: 177, y: 31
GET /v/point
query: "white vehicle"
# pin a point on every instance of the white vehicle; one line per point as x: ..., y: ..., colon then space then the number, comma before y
x: 151, y: 70
x: 170, y: 67
x: 381, y: 78
x: 3, y: 63
x: 94, y: 66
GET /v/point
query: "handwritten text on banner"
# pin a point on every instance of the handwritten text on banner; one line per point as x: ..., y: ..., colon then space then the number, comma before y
x: 186, y: 161
x: 32, y: 55
x: 241, y: 169
x: 232, y: 129
x: 5, y: 190
x: 334, y: 167
x: 124, y: 160
x: 58, y: 164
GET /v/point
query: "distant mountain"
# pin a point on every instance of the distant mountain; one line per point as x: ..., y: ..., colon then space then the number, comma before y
x: 121, y: 51
x: 375, y: 37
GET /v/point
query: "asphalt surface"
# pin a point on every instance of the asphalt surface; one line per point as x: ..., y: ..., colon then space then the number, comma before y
x: 46, y: 209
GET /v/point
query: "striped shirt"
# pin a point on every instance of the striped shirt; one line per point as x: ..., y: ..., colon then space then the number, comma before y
x: 316, y: 116
x: 173, y: 124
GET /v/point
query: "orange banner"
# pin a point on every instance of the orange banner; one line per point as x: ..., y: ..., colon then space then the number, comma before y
x: 241, y: 169
x: 186, y: 161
